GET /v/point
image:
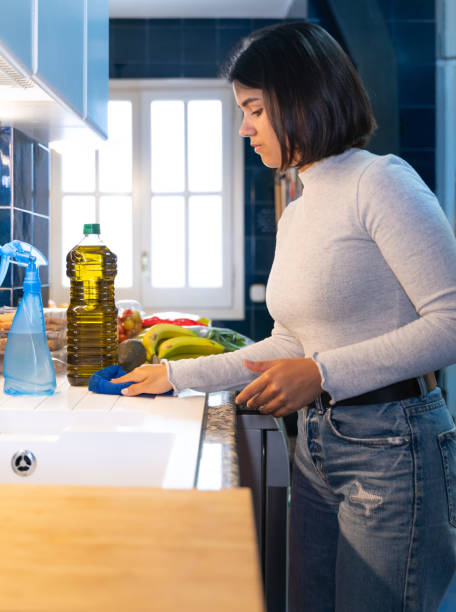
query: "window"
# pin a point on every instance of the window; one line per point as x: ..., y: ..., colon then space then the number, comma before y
x: 167, y: 189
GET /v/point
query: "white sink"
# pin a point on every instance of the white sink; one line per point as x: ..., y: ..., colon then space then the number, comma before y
x: 81, y: 438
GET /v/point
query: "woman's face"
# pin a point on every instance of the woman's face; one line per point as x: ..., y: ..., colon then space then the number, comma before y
x: 257, y: 126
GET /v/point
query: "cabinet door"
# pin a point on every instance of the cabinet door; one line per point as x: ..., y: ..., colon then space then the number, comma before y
x: 98, y: 63
x: 61, y: 49
x: 16, y: 30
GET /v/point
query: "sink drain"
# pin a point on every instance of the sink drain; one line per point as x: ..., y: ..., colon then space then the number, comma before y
x: 23, y: 462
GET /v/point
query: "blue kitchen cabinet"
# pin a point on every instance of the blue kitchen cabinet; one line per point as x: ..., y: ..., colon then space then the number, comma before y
x: 16, y: 25
x: 61, y: 53
x: 98, y: 63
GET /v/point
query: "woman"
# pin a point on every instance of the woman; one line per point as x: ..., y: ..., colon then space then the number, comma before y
x: 363, y: 294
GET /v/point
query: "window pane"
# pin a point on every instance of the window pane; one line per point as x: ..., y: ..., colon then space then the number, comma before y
x: 116, y: 221
x: 76, y: 210
x: 78, y: 169
x: 167, y: 133
x: 205, y: 241
x: 205, y: 145
x: 115, y: 155
x: 168, y: 241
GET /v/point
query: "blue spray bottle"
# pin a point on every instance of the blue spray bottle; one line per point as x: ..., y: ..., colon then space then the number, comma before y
x: 27, y: 366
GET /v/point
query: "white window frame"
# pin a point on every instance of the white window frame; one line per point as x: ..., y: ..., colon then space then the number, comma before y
x: 225, y: 303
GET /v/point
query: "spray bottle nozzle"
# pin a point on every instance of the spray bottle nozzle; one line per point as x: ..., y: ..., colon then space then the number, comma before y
x: 22, y: 254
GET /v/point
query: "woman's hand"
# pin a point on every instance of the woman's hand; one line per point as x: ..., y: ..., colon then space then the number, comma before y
x: 285, y: 386
x: 149, y: 378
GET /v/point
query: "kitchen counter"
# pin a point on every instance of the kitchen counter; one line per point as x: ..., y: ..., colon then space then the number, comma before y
x: 127, y: 549
x: 48, y: 425
x: 136, y: 548
x: 195, y: 444
x: 218, y: 463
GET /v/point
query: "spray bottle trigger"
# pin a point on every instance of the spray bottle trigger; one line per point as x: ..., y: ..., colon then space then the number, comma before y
x: 4, y: 263
x: 22, y: 254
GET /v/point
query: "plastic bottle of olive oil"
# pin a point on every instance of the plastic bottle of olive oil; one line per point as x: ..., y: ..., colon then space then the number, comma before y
x: 92, y: 314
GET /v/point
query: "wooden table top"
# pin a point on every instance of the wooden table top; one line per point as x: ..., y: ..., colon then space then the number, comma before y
x: 84, y: 549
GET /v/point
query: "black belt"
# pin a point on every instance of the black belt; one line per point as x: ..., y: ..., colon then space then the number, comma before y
x: 392, y: 393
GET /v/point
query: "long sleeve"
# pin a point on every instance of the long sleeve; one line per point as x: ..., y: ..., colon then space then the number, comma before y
x: 226, y: 371
x: 400, y: 214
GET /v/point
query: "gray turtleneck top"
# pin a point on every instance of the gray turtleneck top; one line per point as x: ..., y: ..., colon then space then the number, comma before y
x: 363, y: 281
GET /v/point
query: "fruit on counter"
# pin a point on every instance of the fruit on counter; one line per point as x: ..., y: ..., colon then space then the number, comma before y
x: 131, y: 354
x: 186, y: 356
x: 149, y: 321
x: 129, y: 324
x: 176, y: 347
x: 160, y: 332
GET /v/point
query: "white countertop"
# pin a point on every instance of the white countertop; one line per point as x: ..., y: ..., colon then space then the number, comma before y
x: 80, y: 437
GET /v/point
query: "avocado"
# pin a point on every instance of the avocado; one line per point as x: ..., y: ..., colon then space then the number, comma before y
x: 131, y: 354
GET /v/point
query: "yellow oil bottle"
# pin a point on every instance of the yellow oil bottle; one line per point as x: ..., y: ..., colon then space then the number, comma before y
x: 92, y: 314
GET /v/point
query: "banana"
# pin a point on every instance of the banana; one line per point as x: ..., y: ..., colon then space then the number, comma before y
x: 185, y: 345
x: 156, y: 334
x: 186, y: 356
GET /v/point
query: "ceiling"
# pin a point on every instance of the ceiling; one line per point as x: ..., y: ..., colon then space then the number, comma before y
x: 212, y: 9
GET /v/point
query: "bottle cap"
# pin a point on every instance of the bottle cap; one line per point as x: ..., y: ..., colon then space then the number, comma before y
x: 91, y: 228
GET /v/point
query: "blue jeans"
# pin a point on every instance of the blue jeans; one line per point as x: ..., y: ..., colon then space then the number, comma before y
x: 373, y: 508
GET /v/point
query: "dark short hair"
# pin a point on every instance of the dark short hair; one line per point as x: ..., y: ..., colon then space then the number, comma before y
x: 313, y: 95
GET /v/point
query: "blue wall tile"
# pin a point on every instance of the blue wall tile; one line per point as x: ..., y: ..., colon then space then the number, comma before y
x: 261, y: 323
x: 29, y: 168
x: 417, y: 85
x: 128, y: 41
x: 143, y: 71
x: 164, y: 22
x: 199, y: 45
x: 235, y: 23
x: 22, y: 230
x: 41, y: 242
x: 264, y: 222
x: 17, y: 296
x: 228, y: 39
x: 412, y: 27
x: 251, y: 159
x: 5, y: 297
x: 200, y: 71
x: 6, y: 236
x: 413, y: 9
x: 40, y: 179
x: 417, y: 127
x: 5, y: 166
x: 165, y: 44
x: 414, y: 41
x: 263, y: 254
x: 263, y: 23
x: 261, y: 187
x: 423, y: 161
x: 386, y: 8
x: 22, y: 225
x: 5, y: 225
x: 22, y: 170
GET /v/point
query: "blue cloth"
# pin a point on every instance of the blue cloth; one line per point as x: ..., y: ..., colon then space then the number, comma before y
x: 100, y: 382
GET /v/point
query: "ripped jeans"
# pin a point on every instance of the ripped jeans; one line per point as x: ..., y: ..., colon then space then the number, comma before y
x: 373, y: 507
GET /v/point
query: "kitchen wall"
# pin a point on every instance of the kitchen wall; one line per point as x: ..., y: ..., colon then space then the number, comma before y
x: 24, y: 205
x: 196, y: 48
x: 412, y: 27
x: 172, y: 48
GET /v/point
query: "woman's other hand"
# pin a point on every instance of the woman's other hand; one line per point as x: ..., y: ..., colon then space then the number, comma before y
x: 286, y: 385
x: 148, y: 378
